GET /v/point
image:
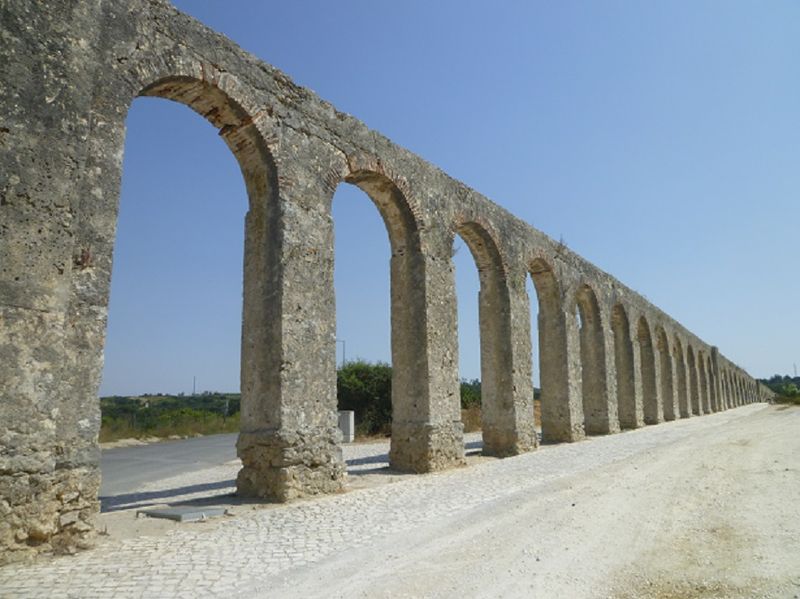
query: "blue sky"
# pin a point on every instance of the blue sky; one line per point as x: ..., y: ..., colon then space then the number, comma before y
x: 659, y: 140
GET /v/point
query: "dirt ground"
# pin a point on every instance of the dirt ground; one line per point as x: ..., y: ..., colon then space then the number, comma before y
x: 715, y: 513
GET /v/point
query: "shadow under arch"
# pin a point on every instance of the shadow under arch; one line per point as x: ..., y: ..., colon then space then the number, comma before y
x: 682, y: 389
x: 712, y: 384
x: 409, y: 314
x: 648, y: 369
x: 261, y: 329
x: 629, y: 414
x: 702, y: 379
x: 723, y: 384
x: 668, y: 404
x: 560, y: 420
x: 595, y: 391
x: 496, y: 352
x: 694, y: 386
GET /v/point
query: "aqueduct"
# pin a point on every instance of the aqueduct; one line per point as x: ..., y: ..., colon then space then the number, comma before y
x: 609, y: 360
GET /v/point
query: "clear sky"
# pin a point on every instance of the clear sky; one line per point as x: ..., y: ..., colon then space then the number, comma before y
x: 660, y: 140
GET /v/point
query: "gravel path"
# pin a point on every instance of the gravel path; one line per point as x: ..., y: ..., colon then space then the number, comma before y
x: 705, y: 507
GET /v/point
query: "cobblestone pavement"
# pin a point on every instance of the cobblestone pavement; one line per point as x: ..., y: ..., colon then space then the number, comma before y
x: 242, y: 555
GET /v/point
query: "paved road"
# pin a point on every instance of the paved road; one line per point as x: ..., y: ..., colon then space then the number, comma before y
x: 692, y: 508
x: 126, y: 469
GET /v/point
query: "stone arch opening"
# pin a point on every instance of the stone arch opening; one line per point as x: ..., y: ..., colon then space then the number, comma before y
x: 647, y: 363
x: 560, y: 420
x: 694, y: 386
x: 726, y: 385
x: 259, y: 367
x: 629, y: 414
x: 684, y: 409
x: 712, y: 385
x: 702, y: 381
x: 176, y: 288
x: 593, y: 363
x: 495, y: 338
x: 362, y: 298
x: 665, y: 364
x: 408, y: 314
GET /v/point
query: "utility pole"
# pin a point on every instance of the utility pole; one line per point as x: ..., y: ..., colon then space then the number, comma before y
x: 194, y: 386
x: 344, y: 351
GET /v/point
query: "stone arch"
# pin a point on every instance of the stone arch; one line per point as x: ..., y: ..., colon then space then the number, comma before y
x: 593, y: 363
x: 394, y: 207
x: 648, y: 369
x: 497, y: 353
x: 702, y: 380
x: 694, y: 386
x: 682, y: 390
x: 712, y: 385
x: 408, y: 308
x: 665, y: 361
x: 731, y: 389
x: 260, y: 366
x: 561, y: 417
x: 629, y: 412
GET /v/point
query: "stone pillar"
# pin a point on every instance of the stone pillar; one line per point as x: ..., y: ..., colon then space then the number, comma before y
x: 716, y: 392
x: 56, y: 229
x: 610, y: 369
x: 666, y: 375
x: 705, y: 400
x: 559, y: 350
x: 289, y: 441
x: 638, y: 382
x: 723, y: 391
x: 597, y: 368
x: 427, y: 433
x: 713, y: 390
x: 682, y: 384
x: 694, y: 384
x: 506, y: 386
x: 624, y: 360
x: 670, y: 399
x: 651, y: 381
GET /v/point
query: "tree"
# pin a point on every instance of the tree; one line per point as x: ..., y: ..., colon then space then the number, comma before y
x: 367, y: 390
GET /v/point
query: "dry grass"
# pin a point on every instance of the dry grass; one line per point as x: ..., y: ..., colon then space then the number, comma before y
x: 181, y: 426
x: 471, y: 417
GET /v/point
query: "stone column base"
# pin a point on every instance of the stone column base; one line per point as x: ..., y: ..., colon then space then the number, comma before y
x: 47, y: 511
x: 502, y: 443
x: 563, y: 433
x: 603, y: 427
x: 419, y: 447
x: 283, y: 465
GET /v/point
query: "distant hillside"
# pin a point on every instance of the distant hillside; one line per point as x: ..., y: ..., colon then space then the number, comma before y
x: 168, y: 415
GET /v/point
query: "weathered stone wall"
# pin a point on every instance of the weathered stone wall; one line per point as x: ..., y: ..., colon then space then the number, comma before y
x: 70, y: 70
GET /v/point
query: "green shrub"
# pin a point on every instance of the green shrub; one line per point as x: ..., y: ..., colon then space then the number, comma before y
x: 470, y: 393
x: 166, y: 416
x: 366, y: 389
